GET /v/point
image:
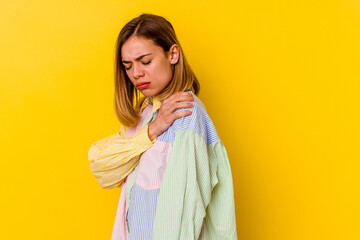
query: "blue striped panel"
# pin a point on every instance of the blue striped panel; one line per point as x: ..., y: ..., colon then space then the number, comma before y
x: 198, y: 120
x: 141, y: 212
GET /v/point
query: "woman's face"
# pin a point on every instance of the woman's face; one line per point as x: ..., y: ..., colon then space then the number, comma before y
x: 146, y: 62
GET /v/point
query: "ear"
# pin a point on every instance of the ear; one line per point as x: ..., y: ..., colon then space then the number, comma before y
x: 173, y: 54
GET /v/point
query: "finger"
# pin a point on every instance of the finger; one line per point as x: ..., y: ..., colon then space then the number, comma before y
x: 181, y: 96
x: 175, y: 98
x: 178, y: 105
x: 176, y: 95
x: 181, y: 114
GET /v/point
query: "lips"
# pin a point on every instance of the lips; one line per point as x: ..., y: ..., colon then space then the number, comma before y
x: 142, y: 83
x: 142, y: 86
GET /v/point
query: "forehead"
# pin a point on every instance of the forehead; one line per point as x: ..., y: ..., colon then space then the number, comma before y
x: 136, y: 46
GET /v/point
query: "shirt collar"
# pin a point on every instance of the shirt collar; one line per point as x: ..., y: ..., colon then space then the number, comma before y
x: 154, y: 101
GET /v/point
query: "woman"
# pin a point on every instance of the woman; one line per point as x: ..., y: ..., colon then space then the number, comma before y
x: 166, y: 142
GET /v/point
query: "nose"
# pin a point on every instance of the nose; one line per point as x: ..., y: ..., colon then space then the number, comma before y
x: 137, y: 71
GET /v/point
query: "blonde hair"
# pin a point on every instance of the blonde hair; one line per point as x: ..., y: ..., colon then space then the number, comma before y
x: 127, y: 98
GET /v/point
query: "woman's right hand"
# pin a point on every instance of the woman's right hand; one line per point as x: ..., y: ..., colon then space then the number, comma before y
x: 166, y: 115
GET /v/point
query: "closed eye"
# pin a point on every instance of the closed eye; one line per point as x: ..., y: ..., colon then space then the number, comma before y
x: 142, y: 63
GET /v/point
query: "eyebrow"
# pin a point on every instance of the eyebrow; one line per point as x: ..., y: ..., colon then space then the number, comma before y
x: 138, y: 58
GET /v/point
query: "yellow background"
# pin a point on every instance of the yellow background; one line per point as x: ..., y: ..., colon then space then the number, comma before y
x: 280, y: 80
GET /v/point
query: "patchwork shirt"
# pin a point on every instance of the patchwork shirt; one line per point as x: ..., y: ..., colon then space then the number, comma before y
x: 177, y: 186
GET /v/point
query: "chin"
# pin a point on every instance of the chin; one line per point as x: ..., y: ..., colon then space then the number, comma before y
x: 148, y: 93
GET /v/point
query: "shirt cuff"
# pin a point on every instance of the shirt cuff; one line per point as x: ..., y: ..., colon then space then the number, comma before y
x: 142, y: 140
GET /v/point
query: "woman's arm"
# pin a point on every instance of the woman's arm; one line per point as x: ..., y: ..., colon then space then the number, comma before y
x: 114, y: 157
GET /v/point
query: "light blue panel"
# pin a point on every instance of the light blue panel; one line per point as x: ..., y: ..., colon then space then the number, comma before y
x: 141, y: 212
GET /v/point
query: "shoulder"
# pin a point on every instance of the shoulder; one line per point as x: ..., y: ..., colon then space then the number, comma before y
x: 198, y: 121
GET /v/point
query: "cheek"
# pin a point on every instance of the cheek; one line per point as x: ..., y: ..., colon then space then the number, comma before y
x: 161, y: 72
